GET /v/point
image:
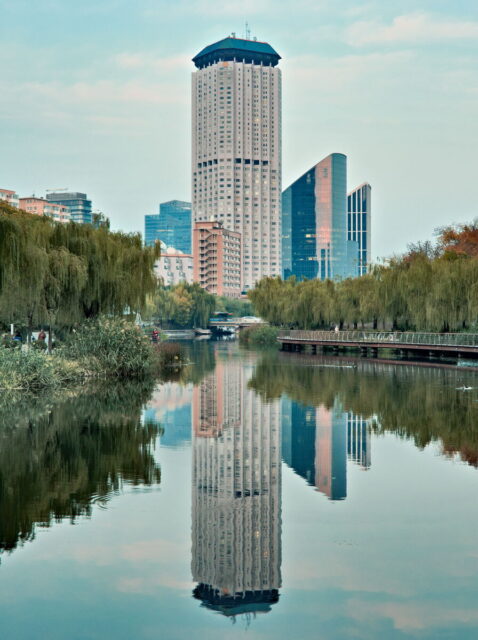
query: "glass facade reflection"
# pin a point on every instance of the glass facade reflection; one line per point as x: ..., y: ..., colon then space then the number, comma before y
x: 359, y: 225
x: 299, y: 224
x: 314, y: 231
x: 172, y: 225
x: 317, y: 441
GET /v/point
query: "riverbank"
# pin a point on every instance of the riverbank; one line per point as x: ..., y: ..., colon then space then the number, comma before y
x: 105, y: 348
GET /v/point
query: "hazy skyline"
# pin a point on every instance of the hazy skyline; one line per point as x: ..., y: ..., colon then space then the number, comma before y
x: 96, y: 98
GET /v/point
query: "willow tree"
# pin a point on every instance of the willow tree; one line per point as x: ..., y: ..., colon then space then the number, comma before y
x: 120, y: 271
x: 51, y: 272
x: 62, y: 286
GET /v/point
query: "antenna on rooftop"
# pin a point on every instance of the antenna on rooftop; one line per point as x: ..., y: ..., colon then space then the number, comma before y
x: 248, y: 31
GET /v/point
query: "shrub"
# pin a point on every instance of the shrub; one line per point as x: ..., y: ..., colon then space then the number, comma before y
x: 262, y: 335
x: 111, y: 346
x: 32, y: 370
x: 170, y: 354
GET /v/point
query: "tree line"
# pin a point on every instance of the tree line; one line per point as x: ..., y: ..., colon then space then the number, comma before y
x: 432, y: 287
x: 186, y: 306
x: 58, y: 275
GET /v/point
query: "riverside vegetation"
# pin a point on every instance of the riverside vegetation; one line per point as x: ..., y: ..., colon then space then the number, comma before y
x: 433, y: 287
x: 60, y: 275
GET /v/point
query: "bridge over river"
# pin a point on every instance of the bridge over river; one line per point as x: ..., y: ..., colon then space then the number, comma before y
x: 369, y: 342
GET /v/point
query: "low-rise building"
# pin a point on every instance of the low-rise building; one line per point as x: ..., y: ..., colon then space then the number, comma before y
x: 10, y: 197
x: 41, y: 207
x: 217, y: 258
x: 174, y: 266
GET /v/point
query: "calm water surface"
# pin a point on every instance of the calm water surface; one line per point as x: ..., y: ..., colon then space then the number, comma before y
x: 252, y: 495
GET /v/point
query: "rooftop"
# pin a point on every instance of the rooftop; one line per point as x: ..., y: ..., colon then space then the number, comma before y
x: 239, y: 49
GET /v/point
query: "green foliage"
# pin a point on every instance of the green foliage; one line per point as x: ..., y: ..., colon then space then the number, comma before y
x: 183, y: 306
x: 170, y: 354
x: 236, y: 307
x: 422, y: 291
x: 32, y: 370
x: 111, y: 346
x: 261, y: 335
x: 60, y: 274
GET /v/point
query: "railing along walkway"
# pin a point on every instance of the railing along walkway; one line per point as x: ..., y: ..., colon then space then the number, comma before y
x: 382, y: 338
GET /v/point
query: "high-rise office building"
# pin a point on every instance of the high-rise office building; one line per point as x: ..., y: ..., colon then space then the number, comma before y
x: 172, y: 225
x: 236, y: 148
x: 299, y: 228
x: 314, y: 226
x: 236, y: 500
x: 359, y: 224
x: 77, y: 203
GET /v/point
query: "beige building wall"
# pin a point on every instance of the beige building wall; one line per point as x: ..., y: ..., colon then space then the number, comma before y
x: 236, y: 159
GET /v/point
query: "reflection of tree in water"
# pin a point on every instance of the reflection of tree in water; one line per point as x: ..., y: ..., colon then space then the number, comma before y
x: 421, y: 403
x: 59, y: 458
x: 200, y: 356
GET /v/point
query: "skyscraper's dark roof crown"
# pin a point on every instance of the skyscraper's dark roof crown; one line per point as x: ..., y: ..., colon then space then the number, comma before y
x: 237, y: 49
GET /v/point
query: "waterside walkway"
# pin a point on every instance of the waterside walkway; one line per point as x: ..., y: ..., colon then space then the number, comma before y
x: 368, y: 342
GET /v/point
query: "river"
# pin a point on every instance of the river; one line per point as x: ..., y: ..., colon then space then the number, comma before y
x: 250, y: 495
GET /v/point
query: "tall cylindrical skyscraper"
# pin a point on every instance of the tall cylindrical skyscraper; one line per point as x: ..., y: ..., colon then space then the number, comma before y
x: 236, y: 148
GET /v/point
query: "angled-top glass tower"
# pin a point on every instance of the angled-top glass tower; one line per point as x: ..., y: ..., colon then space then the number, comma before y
x: 236, y: 148
x: 314, y: 224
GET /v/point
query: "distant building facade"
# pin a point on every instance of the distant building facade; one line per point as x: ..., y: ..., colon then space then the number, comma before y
x: 217, y: 258
x: 359, y: 203
x: 78, y: 204
x: 314, y: 225
x: 174, y: 267
x: 236, y: 148
x: 42, y: 207
x: 172, y: 225
x: 10, y: 197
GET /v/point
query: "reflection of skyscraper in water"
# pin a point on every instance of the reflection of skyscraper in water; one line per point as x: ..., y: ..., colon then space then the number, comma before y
x: 316, y: 442
x: 358, y: 440
x: 331, y: 452
x: 236, y: 526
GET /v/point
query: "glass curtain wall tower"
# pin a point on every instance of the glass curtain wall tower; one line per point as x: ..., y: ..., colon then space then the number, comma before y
x: 172, y: 226
x: 359, y: 224
x: 299, y: 228
x: 78, y: 204
x: 236, y: 148
x: 314, y: 224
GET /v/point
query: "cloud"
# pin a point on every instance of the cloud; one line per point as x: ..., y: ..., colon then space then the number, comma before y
x: 141, y: 60
x: 410, y: 28
x: 329, y: 75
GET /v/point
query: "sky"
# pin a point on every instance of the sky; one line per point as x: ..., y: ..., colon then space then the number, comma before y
x: 95, y: 97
